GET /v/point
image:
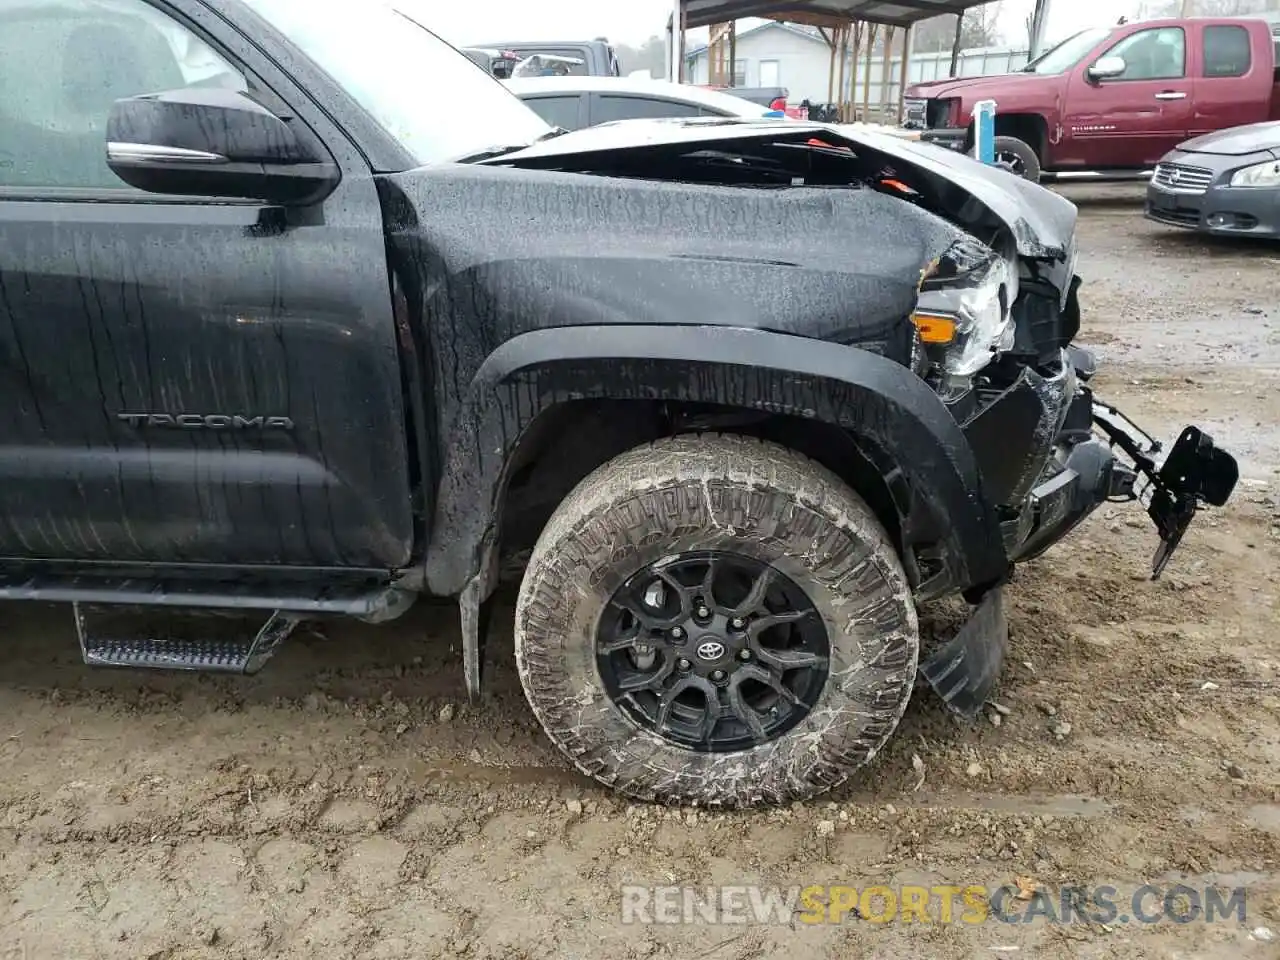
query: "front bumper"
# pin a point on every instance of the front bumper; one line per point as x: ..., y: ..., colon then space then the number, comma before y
x: 1050, y: 454
x: 957, y: 138
x: 1193, y: 190
x: 1225, y: 211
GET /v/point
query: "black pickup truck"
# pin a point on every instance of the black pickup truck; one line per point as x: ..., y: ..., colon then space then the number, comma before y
x: 277, y: 342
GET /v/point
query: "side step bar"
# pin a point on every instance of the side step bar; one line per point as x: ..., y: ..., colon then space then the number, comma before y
x: 222, y: 641
x: 365, y: 600
x: 223, y: 624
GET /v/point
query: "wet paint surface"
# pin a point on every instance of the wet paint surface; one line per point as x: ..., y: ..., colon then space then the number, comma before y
x: 175, y: 310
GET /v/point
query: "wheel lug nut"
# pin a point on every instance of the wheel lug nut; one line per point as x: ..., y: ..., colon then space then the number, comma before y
x: 683, y: 664
x: 703, y: 613
x: 677, y: 633
x: 744, y: 655
x: 737, y: 623
x: 717, y: 675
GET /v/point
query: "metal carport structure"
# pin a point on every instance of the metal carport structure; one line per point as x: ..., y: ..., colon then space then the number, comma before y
x: 822, y: 13
x: 845, y: 25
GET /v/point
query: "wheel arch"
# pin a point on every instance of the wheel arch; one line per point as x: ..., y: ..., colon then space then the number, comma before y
x: 1030, y: 128
x: 527, y: 389
x: 569, y: 441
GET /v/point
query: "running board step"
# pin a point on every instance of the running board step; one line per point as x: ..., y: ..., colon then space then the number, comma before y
x: 370, y: 600
x: 219, y: 640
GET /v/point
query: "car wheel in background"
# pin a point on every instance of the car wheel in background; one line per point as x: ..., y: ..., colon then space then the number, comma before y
x: 1019, y: 157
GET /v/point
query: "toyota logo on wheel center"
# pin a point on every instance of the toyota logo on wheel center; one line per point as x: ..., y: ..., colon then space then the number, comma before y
x: 710, y: 650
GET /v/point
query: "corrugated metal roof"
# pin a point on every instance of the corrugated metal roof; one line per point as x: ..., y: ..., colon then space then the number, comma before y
x: 701, y: 13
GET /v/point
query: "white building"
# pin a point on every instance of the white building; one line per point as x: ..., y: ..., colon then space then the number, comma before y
x: 773, y: 55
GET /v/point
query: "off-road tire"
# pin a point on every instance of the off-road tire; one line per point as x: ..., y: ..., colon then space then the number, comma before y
x: 712, y: 492
x: 1028, y: 160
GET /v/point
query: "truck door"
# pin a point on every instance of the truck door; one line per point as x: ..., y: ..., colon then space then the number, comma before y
x: 184, y: 381
x: 1133, y: 119
x: 1230, y: 90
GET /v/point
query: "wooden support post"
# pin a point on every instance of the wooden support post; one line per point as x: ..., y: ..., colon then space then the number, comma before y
x: 733, y: 52
x: 715, y: 68
x: 903, y: 73
x: 843, y: 54
x: 830, y: 38
x: 849, y: 90
x: 955, y: 46
x: 684, y: 29
x: 872, y: 30
x: 886, y: 70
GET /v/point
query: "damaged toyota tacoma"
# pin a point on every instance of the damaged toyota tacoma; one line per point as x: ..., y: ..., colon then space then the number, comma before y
x: 280, y: 342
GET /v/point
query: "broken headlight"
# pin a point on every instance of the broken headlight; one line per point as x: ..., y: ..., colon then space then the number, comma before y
x: 964, y: 314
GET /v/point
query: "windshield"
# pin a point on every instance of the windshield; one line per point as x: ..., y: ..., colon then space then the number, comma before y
x: 400, y: 73
x: 1068, y: 53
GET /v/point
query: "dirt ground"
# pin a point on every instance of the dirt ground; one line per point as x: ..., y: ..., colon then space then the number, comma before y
x: 349, y: 803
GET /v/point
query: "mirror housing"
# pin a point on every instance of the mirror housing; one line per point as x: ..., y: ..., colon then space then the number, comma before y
x: 1107, y: 68
x: 212, y: 142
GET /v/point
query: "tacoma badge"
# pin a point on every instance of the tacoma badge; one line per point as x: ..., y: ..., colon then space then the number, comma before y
x: 213, y: 421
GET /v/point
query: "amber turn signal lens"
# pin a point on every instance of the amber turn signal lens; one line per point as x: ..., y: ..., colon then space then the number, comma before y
x: 934, y: 328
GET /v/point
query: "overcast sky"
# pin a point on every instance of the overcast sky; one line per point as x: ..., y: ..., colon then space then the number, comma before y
x: 633, y: 21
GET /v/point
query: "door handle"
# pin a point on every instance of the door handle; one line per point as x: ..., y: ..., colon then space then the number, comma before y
x: 1171, y: 95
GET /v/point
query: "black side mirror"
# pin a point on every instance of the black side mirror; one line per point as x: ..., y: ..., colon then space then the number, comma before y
x: 211, y: 142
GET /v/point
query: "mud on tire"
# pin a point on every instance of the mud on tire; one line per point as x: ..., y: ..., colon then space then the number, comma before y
x: 700, y: 493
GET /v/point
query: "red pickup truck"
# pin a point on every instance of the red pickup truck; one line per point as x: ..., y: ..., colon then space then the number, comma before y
x: 1113, y: 98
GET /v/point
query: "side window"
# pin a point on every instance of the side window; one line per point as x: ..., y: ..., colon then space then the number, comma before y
x: 559, y: 111
x: 1226, y: 51
x: 63, y: 63
x: 607, y: 108
x: 1156, y: 54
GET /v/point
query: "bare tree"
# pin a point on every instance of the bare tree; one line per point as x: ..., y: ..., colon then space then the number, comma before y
x: 978, y: 29
x: 650, y: 55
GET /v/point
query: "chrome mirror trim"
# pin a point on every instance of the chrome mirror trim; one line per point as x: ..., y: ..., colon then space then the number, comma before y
x: 154, y: 153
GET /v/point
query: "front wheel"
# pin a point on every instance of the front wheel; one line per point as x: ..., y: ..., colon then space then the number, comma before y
x: 1018, y: 157
x: 716, y: 620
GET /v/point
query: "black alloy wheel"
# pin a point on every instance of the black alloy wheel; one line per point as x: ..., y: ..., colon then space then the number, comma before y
x: 713, y: 651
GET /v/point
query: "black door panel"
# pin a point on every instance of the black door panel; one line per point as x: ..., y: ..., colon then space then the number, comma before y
x: 184, y: 381
x: 151, y: 359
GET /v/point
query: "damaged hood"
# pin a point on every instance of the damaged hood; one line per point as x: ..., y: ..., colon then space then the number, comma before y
x: 972, y: 194
x: 1238, y: 141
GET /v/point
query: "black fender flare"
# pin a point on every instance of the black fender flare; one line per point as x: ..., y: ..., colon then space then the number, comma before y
x: 866, y: 394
